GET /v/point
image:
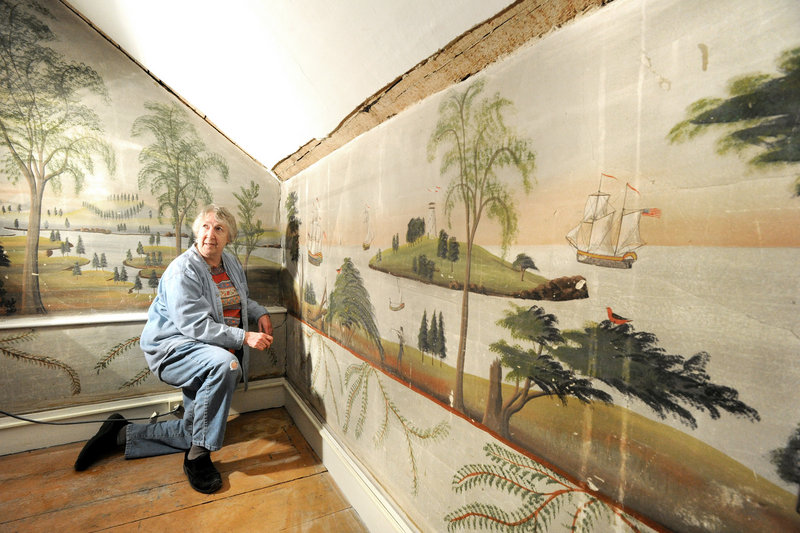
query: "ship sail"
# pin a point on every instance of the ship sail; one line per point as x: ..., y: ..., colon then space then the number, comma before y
x: 604, y: 238
x: 398, y: 304
x: 315, y: 237
x: 600, y: 238
x: 370, y: 236
x: 629, y: 237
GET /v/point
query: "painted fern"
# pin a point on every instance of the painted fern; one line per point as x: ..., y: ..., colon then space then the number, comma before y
x: 328, y: 382
x: 360, y: 375
x: 547, y: 499
x: 41, y: 360
x: 138, y: 379
x: 114, y: 352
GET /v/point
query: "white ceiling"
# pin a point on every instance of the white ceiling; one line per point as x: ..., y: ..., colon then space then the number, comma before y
x: 274, y: 74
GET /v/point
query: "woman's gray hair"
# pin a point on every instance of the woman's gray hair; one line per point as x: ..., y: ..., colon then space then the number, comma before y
x: 222, y: 214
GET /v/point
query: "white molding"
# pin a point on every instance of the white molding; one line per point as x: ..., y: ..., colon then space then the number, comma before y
x: 93, y: 319
x: 375, y: 508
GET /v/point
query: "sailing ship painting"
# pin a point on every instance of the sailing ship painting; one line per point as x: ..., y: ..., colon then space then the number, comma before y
x: 315, y: 237
x: 604, y: 238
x: 370, y: 235
x: 398, y: 304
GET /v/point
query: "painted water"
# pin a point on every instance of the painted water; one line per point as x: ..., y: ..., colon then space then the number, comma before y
x: 738, y: 304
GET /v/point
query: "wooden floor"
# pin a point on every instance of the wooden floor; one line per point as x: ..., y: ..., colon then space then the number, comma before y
x: 272, y: 481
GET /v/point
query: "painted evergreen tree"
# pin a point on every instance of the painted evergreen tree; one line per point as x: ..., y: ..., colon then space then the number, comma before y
x: 422, y: 336
x: 433, y: 335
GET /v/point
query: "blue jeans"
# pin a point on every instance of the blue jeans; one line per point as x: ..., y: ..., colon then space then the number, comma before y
x: 208, y: 376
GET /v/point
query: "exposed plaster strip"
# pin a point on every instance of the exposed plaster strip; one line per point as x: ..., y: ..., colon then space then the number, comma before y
x: 463, y: 57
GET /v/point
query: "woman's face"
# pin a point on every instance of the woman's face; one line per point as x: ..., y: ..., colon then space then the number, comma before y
x: 211, y: 239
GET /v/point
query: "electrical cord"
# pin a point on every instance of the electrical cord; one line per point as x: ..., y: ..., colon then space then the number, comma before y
x: 25, y: 419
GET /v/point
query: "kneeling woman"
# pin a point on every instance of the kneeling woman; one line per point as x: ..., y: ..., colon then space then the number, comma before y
x: 195, y: 338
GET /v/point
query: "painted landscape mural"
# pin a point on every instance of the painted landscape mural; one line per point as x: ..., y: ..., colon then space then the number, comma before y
x: 563, y: 293
x: 103, y: 172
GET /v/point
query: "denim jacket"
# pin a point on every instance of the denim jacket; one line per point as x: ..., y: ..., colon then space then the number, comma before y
x: 188, y: 308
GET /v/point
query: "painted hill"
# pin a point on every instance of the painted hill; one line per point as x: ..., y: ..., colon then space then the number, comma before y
x: 490, y: 274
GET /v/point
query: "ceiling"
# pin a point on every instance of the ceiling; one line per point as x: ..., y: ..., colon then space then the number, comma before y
x: 274, y: 74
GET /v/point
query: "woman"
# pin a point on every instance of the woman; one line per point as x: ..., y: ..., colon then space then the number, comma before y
x: 195, y: 338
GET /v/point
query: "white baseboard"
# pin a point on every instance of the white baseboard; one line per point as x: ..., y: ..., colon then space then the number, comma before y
x: 372, y: 504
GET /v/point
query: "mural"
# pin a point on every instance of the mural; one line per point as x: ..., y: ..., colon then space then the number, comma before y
x: 102, y: 174
x: 571, y: 281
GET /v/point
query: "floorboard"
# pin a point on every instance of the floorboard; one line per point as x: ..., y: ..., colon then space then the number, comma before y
x: 272, y: 481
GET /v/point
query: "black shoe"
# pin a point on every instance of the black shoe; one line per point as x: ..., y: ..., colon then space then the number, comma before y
x: 203, y: 475
x: 103, y: 443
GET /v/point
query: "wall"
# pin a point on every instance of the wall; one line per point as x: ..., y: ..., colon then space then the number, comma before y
x: 94, y: 152
x: 624, y: 356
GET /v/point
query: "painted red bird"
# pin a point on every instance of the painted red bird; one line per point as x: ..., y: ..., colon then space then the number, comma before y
x: 615, y: 318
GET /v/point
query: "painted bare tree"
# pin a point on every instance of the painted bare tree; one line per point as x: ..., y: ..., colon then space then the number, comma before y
x: 176, y: 166
x: 46, y: 129
x: 480, y: 151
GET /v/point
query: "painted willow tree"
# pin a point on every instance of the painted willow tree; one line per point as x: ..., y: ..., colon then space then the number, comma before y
x: 176, y: 165
x: 46, y: 129
x: 478, y: 146
x: 351, y: 308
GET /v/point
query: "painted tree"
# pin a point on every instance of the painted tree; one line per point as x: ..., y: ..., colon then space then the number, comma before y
x: 422, y: 336
x: 452, y: 252
x: 433, y: 336
x: 480, y: 151
x: 250, y: 229
x: 632, y: 362
x: 350, y: 306
x: 153, y: 281
x: 787, y: 461
x: 416, y: 230
x: 47, y: 131
x: 292, y: 227
x: 176, y: 166
x: 760, y: 116
x: 523, y: 262
x: 441, y: 346
x: 441, y: 247
x: 533, y: 371
x: 7, y: 305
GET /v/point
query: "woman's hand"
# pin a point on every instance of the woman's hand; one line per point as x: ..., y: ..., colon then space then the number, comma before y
x: 259, y: 341
x: 265, y: 324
